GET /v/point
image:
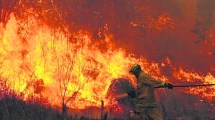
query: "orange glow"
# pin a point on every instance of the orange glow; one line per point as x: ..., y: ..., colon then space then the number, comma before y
x: 164, y: 21
x: 35, y: 61
x: 205, y: 92
x: 38, y: 65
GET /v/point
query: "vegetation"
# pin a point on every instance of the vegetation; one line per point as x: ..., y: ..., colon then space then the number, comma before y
x: 12, y: 108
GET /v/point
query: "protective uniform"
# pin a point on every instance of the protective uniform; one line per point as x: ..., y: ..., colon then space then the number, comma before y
x: 146, y: 106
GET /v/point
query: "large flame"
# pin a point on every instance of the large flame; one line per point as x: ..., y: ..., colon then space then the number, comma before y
x: 40, y: 61
x: 195, y: 78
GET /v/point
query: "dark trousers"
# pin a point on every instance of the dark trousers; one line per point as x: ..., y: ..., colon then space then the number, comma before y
x: 147, y: 113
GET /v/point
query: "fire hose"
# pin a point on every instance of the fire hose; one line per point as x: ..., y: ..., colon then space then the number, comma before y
x: 193, y: 85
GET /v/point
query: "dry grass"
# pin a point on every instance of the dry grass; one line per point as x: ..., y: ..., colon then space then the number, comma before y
x: 12, y: 108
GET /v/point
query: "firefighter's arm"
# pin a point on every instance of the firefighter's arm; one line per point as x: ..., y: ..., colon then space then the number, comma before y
x: 156, y: 83
x: 124, y: 95
x: 121, y: 96
x: 165, y: 84
x: 131, y: 91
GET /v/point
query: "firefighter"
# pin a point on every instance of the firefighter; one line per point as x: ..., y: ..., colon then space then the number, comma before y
x: 146, y: 106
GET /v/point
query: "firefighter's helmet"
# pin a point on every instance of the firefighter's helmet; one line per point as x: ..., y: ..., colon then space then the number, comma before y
x: 135, y: 68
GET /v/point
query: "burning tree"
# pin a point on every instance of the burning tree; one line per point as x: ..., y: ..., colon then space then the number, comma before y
x: 70, y: 71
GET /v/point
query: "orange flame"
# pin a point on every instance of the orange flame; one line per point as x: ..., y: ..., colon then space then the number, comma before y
x: 46, y: 63
x: 205, y: 92
x: 39, y: 61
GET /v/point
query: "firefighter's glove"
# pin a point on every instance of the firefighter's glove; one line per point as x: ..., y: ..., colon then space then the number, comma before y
x: 131, y: 94
x: 169, y: 86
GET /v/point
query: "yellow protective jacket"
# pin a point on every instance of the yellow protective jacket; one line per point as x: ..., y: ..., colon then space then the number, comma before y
x: 145, y: 90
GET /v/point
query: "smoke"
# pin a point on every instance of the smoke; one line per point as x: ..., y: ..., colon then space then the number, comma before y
x: 175, y: 34
x: 180, y: 30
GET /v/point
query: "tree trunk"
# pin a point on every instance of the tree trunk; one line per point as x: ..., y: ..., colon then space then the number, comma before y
x: 64, y: 109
